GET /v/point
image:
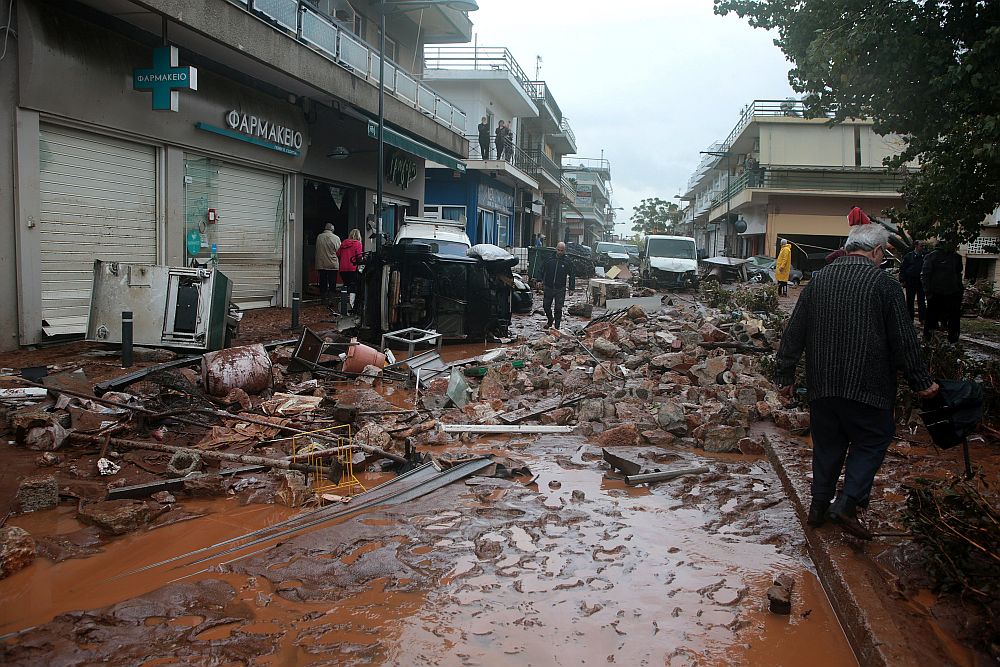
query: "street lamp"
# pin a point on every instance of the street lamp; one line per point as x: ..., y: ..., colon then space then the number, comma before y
x: 729, y: 198
x: 384, y: 7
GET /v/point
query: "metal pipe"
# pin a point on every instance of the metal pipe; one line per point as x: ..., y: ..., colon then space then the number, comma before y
x: 380, y: 166
x: 127, y: 339
x: 296, y: 304
x: 650, y: 477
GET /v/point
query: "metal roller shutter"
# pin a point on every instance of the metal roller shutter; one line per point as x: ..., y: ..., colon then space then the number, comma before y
x: 249, y: 234
x: 97, y: 200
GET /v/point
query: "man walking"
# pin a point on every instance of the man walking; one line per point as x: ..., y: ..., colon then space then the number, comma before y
x: 909, y: 276
x: 555, y: 274
x: 941, y: 275
x: 327, y: 245
x: 851, y: 322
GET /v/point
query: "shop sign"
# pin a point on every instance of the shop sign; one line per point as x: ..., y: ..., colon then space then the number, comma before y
x: 584, y: 195
x: 498, y: 200
x: 400, y: 169
x: 165, y: 78
x: 258, y: 131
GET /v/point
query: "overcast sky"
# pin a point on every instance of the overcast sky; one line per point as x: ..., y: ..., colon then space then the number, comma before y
x: 651, y: 82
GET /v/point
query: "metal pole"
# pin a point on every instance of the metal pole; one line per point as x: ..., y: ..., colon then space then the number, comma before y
x: 127, y: 339
x: 296, y: 303
x: 381, y: 127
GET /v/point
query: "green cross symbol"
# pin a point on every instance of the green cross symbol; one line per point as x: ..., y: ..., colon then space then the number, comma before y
x: 165, y: 78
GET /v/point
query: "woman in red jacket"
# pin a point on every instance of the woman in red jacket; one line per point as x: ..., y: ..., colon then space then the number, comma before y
x: 349, y: 254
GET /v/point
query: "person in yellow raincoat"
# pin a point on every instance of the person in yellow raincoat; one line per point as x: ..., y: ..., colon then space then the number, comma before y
x: 783, y: 267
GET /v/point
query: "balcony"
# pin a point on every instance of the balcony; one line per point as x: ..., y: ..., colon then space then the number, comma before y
x: 520, y: 164
x: 804, y: 179
x: 563, y: 141
x: 548, y: 111
x: 772, y: 108
x: 547, y: 171
x: 597, y: 166
x: 494, y: 68
x: 320, y: 33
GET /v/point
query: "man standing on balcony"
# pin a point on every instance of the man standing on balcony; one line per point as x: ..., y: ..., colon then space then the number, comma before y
x: 501, y: 138
x: 555, y: 274
x: 508, y: 142
x: 484, y: 139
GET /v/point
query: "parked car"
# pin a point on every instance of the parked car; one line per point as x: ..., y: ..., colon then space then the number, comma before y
x: 610, y: 254
x: 669, y: 261
x: 633, y: 253
x: 760, y: 268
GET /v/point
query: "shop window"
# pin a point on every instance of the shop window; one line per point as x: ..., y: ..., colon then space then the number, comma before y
x: 456, y: 213
x: 503, y: 229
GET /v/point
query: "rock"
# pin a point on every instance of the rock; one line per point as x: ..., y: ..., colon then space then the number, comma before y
x: 746, y: 396
x: 610, y: 409
x: 606, y: 348
x: 707, y: 372
x: 763, y: 409
x: 679, y: 361
x: 581, y: 309
x: 626, y: 435
x: 670, y: 417
x: 491, y: 386
x: 292, y: 489
x: 600, y: 375
x: 164, y: 497
x: 591, y: 410
x: 785, y: 580
x: 578, y: 495
x: 237, y: 395
x: 659, y: 438
x: 750, y: 446
x: 636, y: 313
x: 791, y: 420
x: 712, y: 334
x: 17, y: 550
x: 205, y: 486
x: 719, y: 438
x: 153, y: 354
x: 559, y: 416
x: 779, y: 600
x: 115, y: 517
x: 372, y: 435
x: 40, y: 492
x: 555, y: 484
x: 48, y: 459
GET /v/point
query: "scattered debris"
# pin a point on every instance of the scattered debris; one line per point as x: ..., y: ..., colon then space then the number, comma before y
x: 40, y: 492
x: 17, y: 550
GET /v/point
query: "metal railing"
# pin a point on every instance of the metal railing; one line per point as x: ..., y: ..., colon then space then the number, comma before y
x: 539, y: 92
x: 475, y: 58
x: 587, y: 164
x: 567, y: 130
x: 524, y: 160
x: 850, y: 180
x: 340, y: 45
x: 545, y: 164
x: 790, y: 108
x: 568, y: 189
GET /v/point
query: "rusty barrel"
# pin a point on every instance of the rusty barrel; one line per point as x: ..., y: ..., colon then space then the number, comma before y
x: 247, y: 368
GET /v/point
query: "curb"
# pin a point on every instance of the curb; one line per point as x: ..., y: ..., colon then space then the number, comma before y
x: 879, y: 629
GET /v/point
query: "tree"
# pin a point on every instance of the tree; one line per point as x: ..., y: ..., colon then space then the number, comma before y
x: 927, y: 71
x: 655, y: 216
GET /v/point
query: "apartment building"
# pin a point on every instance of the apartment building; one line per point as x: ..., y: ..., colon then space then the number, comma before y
x: 589, y: 218
x: 781, y: 175
x: 174, y: 131
x: 507, y: 194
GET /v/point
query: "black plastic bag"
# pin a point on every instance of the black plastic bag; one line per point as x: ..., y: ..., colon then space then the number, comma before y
x: 952, y: 415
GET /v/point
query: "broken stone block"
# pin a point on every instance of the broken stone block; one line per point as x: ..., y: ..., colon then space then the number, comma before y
x: 578, y: 496
x: 559, y: 416
x: 785, y: 580
x: 763, y: 409
x: 40, y: 492
x: 791, y: 420
x: 372, y: 435
x: 292, y: 489
x: 205, y: 486
x: 746, y: 396
x: 660, y: 438
x: 600, y: 374
x: 707, y: 372
x: 17, y: 550
x: 591, y: 410
x: 750, y: 446
x: 115, y: 517
x: 164, y: 497
x: 670, y: 416
x: 712, y: 334
x: 606, y: 348
x: 779, y: 600
x: 183, y: 464
x: 636, y: 313
x: 626, y: 435
x: 719, y: 438
x: 492, y: 387
x: 581, y: 309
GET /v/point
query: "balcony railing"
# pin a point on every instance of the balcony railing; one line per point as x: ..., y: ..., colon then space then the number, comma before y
x: 475, y: 58
x: 599, y: 165
x: 540, y: 94
x: 790, y: 108
x: 341, y: 46
x: 873, y: 180
x: 568, y: 189
x: 545, y: 164
x: 567, y: 130
x: 515, y: 155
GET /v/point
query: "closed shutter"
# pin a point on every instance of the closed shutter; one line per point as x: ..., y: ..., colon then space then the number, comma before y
x: 249, y: 234
x: 97, y: 200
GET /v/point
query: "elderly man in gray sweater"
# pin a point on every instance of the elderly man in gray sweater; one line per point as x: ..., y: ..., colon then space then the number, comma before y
x: 851, y: 321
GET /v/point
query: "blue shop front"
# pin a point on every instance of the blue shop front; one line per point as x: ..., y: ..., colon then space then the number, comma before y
x: 483, y: 202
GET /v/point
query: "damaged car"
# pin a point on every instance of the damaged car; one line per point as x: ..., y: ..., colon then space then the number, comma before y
x: 669, y: 261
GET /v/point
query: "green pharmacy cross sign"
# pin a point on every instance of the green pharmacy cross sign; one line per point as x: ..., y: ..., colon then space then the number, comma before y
x: 165, y: 78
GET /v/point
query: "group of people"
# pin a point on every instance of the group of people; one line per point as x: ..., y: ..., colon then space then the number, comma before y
x: 334, y: 257
x: 504, y: 140
x: 933, y: 285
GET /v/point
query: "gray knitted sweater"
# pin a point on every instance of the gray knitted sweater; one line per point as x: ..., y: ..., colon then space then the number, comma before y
x: 852, y: 323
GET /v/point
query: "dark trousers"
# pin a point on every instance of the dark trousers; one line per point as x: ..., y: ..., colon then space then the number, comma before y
x: 350, y: 280
x: 327, y: 283
x: 915, y: 293
x: 553, y: 294
x: 782, y: 288
x: 944, y: 311
x: 484, y: 147
x: 847, y: 431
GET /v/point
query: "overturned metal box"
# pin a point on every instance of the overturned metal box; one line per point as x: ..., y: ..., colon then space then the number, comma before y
x: 171, y: 306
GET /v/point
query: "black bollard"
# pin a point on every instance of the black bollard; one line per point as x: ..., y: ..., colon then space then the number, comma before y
x: 296, y: 299
x: 345, y: 302
x: 127, y: 339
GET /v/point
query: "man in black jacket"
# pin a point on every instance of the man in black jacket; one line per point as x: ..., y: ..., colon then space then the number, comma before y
x: 851, y: 322
x: 941, y: 276
x: 555, y: 274
x: 909, y: 276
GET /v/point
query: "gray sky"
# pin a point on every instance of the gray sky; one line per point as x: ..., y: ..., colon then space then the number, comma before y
x: 651, y: 82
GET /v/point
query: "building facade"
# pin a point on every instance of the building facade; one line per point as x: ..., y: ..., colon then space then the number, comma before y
x: 589, y: 218
x: 181, y: 131
x: 781, y: 175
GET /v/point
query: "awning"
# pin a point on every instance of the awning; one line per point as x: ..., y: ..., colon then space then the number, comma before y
x: 414, y: 147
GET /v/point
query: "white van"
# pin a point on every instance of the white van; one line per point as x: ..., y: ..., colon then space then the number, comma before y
x: 445, y: 237
x: 669, y: 261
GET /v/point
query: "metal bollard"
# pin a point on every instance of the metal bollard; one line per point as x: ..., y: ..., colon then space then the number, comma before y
x: 345, y: 302
x: 296, y: 303
x: 127, y: 339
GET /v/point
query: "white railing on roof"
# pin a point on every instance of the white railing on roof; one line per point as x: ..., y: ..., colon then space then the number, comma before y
x: 337, y: 43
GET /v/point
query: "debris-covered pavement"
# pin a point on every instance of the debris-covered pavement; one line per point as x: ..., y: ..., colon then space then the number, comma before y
x: 625, y: 510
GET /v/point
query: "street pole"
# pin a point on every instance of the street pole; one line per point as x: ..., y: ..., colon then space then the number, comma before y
x: 379, y: 187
